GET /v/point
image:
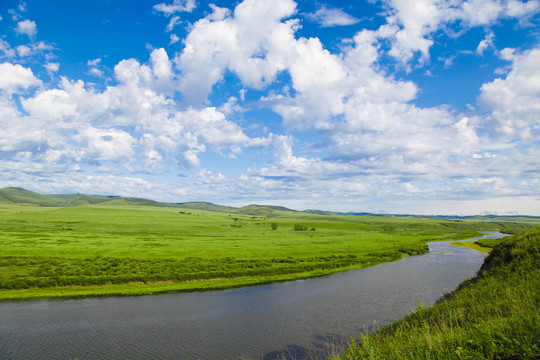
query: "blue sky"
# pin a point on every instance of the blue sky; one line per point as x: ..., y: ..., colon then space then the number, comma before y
x: 398, y: 106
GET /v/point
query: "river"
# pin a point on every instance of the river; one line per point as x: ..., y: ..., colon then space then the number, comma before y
x: 297, y: 319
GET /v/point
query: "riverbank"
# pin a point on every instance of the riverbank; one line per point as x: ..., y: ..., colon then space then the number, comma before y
x: 492, y: 316
x: 141, y: 288
x: 472, y: 245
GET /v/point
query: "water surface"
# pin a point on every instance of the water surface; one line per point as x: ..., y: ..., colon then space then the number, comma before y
x: 298, y: 319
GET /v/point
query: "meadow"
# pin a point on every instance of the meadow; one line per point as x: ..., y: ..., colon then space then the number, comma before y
x: 492, y: 316
x: 130, y: 247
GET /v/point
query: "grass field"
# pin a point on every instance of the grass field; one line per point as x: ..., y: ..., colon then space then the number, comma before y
x: 123, y: 249
x: 483, y: 245
x: 492, y: 316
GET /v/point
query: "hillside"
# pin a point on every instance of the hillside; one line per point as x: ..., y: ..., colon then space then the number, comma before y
x: 493, y: 316
x: 16, y: 195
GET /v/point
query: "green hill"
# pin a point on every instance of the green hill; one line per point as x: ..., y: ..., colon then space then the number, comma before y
x: 206, y: 206
x: 16, y: 195
x: 263, y: 210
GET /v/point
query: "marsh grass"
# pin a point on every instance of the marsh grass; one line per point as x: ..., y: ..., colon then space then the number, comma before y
x: 493, y: 316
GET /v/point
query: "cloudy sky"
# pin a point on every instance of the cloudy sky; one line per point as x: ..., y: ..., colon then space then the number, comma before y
x: 393, y: 106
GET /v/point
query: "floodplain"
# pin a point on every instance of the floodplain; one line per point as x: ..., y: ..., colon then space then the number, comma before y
x: 120, y: 248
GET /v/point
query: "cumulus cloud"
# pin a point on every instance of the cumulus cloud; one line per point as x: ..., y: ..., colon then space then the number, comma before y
x: 249, y: 43
x: 75, y: 124
x: 26, y: 51
x: 107, y: 144
x: 15, y: 77
x: 26, y: 27
x: 411, y: 24
x: 515, y: 100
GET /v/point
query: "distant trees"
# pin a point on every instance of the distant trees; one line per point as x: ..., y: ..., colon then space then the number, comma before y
x: 300, y: 227
x: 274, y: 226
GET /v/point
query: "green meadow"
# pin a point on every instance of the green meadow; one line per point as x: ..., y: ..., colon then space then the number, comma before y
x: 93, y: 246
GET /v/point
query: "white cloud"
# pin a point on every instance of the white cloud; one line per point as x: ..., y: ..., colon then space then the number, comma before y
x: 515, y: 100
x: 6, y: 49
x: 515, y: 8
x: 94, y: 62
x: 15, y: 77
x: 218, y: 13
x: 485, y: 44
x: 96, y: 72
x: 176, y: 6
x: 107, y: 144
x: 481, y: 12
x: 94, y: 68
x: 180, y: 192
x: 26, y: 27
x: 91, y: 124
x: 412, y: 23
x: 22, y: 7
x: 52, y: 105
x: 333, y: 17
x: 174, y: 39
x: 175, y: 20
x: 327, y: 85
x: 24, y: 51
x: 251, y: 44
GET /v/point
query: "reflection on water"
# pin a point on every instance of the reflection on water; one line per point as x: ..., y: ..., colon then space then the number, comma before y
x: 298, y: 319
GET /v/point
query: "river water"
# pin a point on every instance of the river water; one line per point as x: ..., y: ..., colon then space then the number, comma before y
x: 297, y: 319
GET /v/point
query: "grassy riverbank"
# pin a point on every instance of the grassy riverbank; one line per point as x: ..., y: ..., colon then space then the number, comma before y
x: 496, y: 315
x: 126, y: 249
x: 483, y: 245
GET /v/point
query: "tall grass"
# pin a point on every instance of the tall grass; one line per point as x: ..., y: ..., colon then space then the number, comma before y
x: 496, y: 315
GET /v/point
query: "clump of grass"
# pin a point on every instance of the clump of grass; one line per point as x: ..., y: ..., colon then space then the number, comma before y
x: 493, y: 316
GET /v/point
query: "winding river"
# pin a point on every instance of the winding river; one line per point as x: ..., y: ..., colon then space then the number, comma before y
x: 298, y: 319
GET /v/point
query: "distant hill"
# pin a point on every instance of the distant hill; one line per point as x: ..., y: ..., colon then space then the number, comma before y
x: 17, y: 195
x: 206, y: 206
x: 263, y: 210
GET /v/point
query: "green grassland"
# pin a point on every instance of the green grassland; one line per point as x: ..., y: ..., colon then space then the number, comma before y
x: 482, y: 245
x: 95, y: 245
x: 492, y: 316
x: 472, y: 245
